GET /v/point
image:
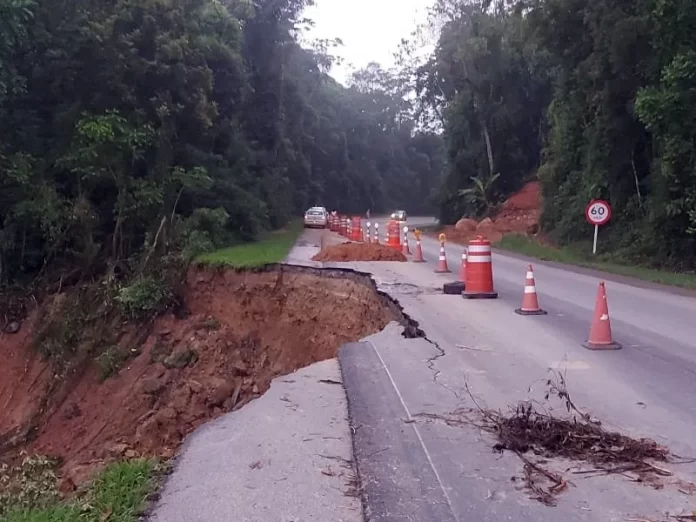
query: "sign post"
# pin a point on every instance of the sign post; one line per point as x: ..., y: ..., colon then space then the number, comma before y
x: 597, y: 213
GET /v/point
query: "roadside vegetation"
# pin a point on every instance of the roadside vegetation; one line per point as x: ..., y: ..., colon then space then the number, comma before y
x: 203, y: 124
x: 272, y: 248
x: 580, y: 254
x: 119, y: 493
x: 592, y: 97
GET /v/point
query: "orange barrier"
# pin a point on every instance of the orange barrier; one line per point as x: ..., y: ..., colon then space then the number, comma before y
x: 393, y: 234
x: 418, y: 256
x: 376, y: 241
x: 462, y: 268
x: 356, y: 229
x: 530, y: 301
x: 442, y: 261
x: 405, y: 250
x: 479, y: 270
x: 600, y: 330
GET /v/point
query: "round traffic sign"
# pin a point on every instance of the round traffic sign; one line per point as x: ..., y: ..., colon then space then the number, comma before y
x: 597, y: 212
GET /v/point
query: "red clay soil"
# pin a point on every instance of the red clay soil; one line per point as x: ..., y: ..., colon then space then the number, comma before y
x: 519, y: 215
x: 243, y: 329
x: 359, y: 252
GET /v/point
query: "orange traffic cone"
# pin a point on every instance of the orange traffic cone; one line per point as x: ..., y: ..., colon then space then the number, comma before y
x: 462, y: 268
x: 442, y: 261
x: 404, y: 249
x: 418, y: 254
x: 600, y: 330
x: 530, y: 301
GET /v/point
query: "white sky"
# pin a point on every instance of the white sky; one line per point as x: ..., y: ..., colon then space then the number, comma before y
x: 371, y: 30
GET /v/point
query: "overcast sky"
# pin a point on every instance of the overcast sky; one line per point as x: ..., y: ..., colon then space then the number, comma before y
x: 370, y: 29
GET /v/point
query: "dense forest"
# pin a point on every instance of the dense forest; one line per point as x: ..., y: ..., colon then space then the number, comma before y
x: 134, y: 126
x: 596, y: 98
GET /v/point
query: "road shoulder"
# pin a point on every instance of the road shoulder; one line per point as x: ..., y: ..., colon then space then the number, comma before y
x: 599, y: 274
x: 286, y: 456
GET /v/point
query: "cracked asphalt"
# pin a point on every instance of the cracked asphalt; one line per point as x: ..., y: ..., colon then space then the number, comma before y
x: 416, y: 467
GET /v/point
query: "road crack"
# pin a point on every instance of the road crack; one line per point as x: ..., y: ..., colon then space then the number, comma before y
x: 432, y: 361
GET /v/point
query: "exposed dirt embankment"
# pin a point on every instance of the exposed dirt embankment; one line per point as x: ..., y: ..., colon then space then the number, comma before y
x: 519, y: 214
x: 239, y: 330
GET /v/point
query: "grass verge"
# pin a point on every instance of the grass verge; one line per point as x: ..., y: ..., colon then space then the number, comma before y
x: 272, y: 248
x: 577, y: 256
x: 118, y: 494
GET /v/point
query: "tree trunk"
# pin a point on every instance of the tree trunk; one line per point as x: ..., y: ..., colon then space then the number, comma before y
x: 635, y: 177
x: 489, y: 148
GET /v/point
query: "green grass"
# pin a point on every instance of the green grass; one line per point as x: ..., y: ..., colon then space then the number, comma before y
x: 270, y: 249
x: 118, y: 494
x: 579, y: 256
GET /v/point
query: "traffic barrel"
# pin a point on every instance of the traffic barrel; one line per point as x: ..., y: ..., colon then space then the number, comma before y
x: 418, y: 255
x: 356, y: 228
x: 393, y: 235
x: 600, y: 330
x: 530, y: 300
x: 405, y: 250
x: 479, y: 270
x: 442, y: 260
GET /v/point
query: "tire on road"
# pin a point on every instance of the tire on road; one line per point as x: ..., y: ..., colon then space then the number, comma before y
x: 454, y: 288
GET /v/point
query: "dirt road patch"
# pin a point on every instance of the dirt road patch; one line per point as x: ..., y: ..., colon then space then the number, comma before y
x: 241, y: 329
x: 359, y: 252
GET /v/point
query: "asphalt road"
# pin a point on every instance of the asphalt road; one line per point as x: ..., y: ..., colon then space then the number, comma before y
x: 414, y: 466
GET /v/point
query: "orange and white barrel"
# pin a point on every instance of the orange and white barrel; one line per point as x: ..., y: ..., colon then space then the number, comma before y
x: 393, y: 235
x: 479, y: 270
x: 356, y: 228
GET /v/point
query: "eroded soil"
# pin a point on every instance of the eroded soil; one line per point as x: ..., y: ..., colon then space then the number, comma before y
x: 359, y: 252
x: 519, y: 215
x: 240, y: 330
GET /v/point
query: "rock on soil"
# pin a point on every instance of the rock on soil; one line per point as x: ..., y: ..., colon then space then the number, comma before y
x: 359, y: 252
x: 519, y: 215
x: 466, y: 225
x: 242, y: 330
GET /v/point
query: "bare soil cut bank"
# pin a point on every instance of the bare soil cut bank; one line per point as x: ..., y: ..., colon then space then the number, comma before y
x: 517, y: 215
x: 239, y: 330
x: 358, y: 252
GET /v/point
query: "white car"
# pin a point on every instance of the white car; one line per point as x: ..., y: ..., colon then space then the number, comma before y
x: 316, y: 217
x: 399, y: 215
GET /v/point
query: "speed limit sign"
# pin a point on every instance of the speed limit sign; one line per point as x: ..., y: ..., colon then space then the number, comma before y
x: 598, y: 212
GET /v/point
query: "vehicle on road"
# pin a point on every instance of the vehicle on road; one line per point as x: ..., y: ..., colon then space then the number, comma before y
x: 316, y: 217
x: 399, y: 215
